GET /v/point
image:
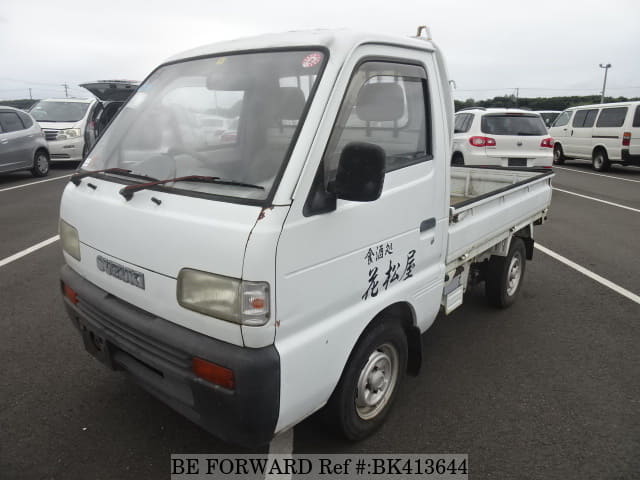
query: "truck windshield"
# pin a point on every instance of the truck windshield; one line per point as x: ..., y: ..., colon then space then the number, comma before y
x: 232, y: 117
x: 46, y: 111
x: 513, y: 124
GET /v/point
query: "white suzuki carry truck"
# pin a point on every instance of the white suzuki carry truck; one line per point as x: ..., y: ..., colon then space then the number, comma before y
x: 250, y: 282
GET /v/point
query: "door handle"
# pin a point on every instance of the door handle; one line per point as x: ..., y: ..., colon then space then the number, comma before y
x: 427, y: 224
x: 572, y: 133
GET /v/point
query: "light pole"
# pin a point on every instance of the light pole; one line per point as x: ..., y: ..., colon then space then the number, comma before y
x: 604, y: 85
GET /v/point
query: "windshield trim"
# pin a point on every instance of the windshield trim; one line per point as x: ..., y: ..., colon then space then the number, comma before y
x: 268, y: 200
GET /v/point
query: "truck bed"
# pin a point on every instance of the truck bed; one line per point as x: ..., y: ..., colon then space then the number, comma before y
x: 486, y: 203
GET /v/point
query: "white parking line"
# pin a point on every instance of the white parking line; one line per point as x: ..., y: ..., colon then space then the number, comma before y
x: 33, y: 183
x: 594, y: 276
x: 597, y: 200
x: 282, y: 446
x: 27, y: 251
x: 596, y: 174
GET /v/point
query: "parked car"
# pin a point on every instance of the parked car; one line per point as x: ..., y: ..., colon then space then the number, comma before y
x: 22, y: 143
x: 299, y: 264
x: 501, y: 136
x: 548, y: 116
x: 63, y: 121
x: 72, y: 125
x: 605, y: 133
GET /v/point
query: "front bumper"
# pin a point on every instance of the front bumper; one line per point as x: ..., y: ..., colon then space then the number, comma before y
x: 158, y: 353
x: 66, y: 150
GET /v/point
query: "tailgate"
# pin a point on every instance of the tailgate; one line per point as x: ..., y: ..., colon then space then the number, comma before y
x: 496, y: 201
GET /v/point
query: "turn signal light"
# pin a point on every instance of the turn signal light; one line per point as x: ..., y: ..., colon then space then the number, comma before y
x: 70, y: 293
x: 213, y: 373
x: 482, y: 142
x: 626, y: 139
x: 547, y: 142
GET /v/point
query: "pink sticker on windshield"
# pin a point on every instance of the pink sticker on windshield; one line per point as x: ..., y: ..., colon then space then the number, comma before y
x: 312, y: 60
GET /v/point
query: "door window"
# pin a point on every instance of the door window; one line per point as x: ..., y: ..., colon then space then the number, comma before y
x: 386, y: 105
x: 10, y: 122
x: 585, y: 118
x: 562, y: 119
x: 590, y: 119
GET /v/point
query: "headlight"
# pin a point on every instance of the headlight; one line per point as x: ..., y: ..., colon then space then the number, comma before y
x: 230, y: 299
x: 69, y: 239
x: 69, y: 133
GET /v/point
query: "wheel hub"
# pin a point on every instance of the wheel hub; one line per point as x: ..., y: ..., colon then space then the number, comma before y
x: 514, y: 275
x: 377, y: 381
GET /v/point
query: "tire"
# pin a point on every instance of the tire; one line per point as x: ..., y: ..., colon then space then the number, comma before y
x: 40, y: 164
x: 457, y: 159
x: 600, y: 160
x: 505, y: 275
x: 558, y: 155
x: 356, y: 409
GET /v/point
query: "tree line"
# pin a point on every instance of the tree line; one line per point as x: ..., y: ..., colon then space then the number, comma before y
x: 538, y: 103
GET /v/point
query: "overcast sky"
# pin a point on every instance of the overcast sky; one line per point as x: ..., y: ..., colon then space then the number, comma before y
x: 545, y: 48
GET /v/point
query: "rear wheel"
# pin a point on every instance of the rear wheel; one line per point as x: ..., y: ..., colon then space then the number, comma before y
x: 600, y: 160
x: 505, y: 275
x: 40, y: 164
x: 369, y: 383
x: 558, y: 155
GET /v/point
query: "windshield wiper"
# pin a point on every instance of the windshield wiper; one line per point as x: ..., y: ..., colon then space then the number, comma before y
x: 76, y: 177
x: 128, y: 191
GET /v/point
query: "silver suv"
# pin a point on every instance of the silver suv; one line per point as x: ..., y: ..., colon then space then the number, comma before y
x: 504, y: 137
x: 22, y: 144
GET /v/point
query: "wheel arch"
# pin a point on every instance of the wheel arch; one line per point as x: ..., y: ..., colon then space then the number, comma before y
x: 457, y: 155
x: 404, y: 313
x: 599, y: 147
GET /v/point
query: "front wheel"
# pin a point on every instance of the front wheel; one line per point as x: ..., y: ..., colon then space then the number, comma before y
x: 40, y: 164
x: 369, y: 383
x: 505, y: 275
x: 558, y: 155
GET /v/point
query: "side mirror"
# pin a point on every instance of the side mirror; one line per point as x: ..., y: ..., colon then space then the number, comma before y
x: 360, y: 175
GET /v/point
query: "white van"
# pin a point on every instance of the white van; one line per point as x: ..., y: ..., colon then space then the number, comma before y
x: 250, y: 281
x: 605, y: 133
x: 63, y: 122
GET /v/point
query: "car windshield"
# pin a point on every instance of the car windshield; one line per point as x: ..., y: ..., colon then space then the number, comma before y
x: 513, y: 124
x: 47, y: 111
x: 232, y: 117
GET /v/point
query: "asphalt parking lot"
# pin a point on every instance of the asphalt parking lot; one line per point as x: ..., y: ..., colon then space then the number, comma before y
x: 546, y: 389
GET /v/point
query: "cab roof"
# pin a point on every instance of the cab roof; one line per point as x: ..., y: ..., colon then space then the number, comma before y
x: 340, y: 42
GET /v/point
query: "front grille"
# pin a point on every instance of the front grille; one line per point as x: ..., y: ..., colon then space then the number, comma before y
x: 50, y: 134
x: 132, y: 341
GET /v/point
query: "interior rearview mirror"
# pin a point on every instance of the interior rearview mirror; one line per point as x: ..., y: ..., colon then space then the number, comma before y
x: 360, y: 175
